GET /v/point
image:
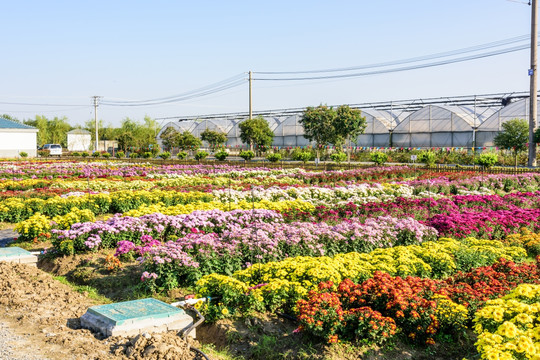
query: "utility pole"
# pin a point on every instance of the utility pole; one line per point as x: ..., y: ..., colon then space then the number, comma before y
x: 532, y: 72
x: 96, y: 99
x: 250, y: 98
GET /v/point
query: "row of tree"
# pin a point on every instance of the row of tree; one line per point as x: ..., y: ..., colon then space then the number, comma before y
x: 324, y: 125
x: 130, y: 135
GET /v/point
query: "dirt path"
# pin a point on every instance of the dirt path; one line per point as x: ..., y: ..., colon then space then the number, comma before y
x: 40, y: 320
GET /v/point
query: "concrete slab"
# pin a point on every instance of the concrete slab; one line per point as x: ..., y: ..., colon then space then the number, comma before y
x: 135, y: 317
x: 18, y: 255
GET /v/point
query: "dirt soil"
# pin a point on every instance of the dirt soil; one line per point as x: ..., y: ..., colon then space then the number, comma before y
x: 46, y: 311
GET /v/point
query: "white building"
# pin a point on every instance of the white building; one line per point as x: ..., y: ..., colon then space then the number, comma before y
x: 79, y: 140
x: 16, y: 138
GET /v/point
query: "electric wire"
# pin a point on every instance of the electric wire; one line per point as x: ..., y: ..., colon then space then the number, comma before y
x: 475, y: 48
x: 405, y: 68
x: 209, y: 89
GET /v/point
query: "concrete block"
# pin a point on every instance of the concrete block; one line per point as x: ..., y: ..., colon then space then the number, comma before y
x: 17, y: 255
x: 134, y: 317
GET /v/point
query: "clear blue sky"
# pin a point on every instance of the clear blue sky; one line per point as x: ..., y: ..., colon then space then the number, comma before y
x: 63, y: 52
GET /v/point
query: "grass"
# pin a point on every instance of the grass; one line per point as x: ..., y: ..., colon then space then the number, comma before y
x: 89, y: 291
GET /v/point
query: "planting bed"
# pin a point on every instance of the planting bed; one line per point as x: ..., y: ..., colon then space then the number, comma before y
x: 374, y: 263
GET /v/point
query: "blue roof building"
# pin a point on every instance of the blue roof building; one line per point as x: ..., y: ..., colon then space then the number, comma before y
x: 16, y: 138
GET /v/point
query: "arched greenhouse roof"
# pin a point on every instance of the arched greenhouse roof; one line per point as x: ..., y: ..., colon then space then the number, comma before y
x: 442, y: 118
x: 516, y: 110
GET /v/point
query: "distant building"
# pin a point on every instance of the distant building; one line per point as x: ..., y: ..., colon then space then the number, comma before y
x: 16, y: 138
x: 79, y: 140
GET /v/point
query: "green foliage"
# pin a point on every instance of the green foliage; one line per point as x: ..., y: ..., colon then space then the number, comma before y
x: 76, y: 154
x: 324, y: 125
x: 378, y: 157
x: 221, y: 155
x: 200, y: 155
x: 181, y: 155
x: 514, y: 135
x: 106, y: 155
x: 256, y: 132
x: 133, y: 155
x: 427, y: 157
x: 96, y: 154
x: 165, y: 155
x: 214, y: 138
x: 50, y: 131
x: 120, y: 154
x: 85, y: 154
x: 23, y: 154
x: 338, y: 157
x: 303, y: 156
x: 487, y: 160
x: 274, y: 157
x: 147, y: 155
x: 133, y: 134
x: 247, y: 155
x: 43, y: 153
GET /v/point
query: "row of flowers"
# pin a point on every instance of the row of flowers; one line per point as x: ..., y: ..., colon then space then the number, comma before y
x: 281, y: 284
x: 422, y: 308
x: 508, y: 328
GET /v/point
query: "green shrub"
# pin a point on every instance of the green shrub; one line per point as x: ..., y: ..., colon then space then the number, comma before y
x: 23, y: 154
x: 200, y: 155
x: 338, y: 157
x: 76, y: 154
x: 221, y: 155
x: 120, y: 154
x: 181, y: 155
x: 134, y: 155
x: 487, y: 160
x: 427, y: 157
x: 96, y: 154
x: 303, y: 156
x: 147, y: 155
x: 378, y: 157
x: 85, y: 154
x: 165, y: 155
x: 274, y: 157
x: 43, y: 153
x: 106, y: 155
x: 247, y: 155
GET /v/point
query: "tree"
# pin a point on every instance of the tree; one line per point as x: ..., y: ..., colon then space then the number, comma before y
x: 256, y: 132
x: 170, y: 137
x: 50, y: 131
x: 214, y: 138
x: 187, y: 141
x: 514, y: 135
x: 325, y: 126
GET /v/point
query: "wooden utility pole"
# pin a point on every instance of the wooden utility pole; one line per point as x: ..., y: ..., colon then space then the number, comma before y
x: 250, y: 98
x: 533, y: 95
x: 96, y: 99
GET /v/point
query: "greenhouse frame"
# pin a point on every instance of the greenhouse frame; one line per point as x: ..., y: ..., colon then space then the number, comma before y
x: 447, y: 123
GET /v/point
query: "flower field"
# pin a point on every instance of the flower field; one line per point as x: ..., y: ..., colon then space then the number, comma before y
x: 359, y: 256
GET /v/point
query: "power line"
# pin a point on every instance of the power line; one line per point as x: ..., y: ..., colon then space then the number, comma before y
x: 206, y: 90
x: 405, y: 68
x: 475, y: 48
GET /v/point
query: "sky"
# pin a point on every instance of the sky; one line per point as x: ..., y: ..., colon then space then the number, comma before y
x: 57, y: 54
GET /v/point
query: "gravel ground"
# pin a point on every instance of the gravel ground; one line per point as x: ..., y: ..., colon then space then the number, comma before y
x: 8, y: 348
x: 8, y: 340
x: 7, y: 236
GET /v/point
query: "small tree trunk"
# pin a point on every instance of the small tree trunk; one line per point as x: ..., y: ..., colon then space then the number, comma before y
x: 515, y: 159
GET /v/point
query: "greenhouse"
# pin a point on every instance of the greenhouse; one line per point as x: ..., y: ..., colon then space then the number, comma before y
x: 493, y: 125
x: 379, y: 124
x: 441, y: 123
x: 439, y: 126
